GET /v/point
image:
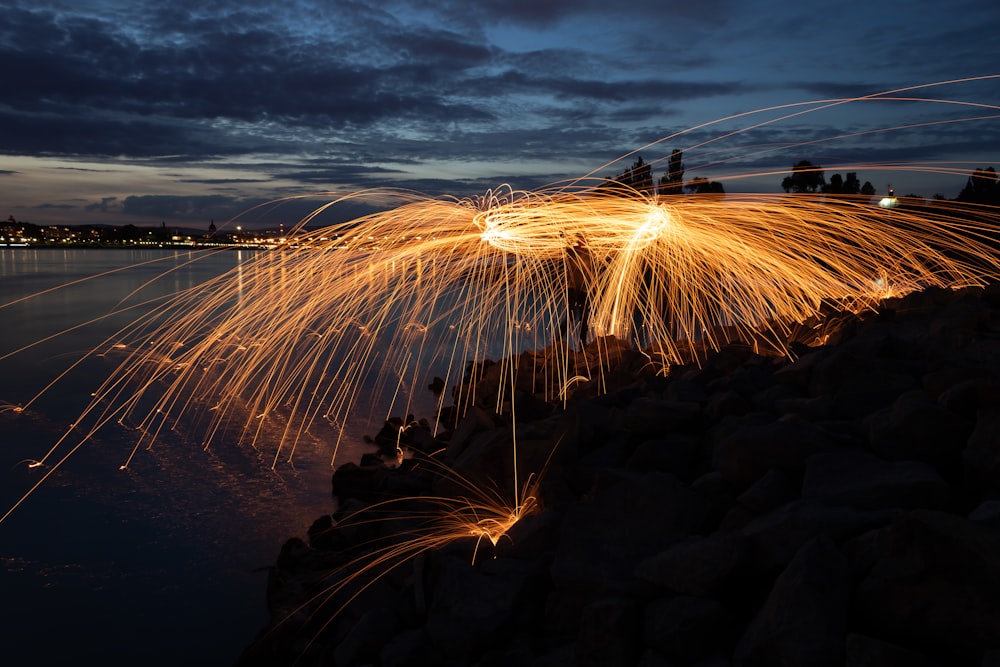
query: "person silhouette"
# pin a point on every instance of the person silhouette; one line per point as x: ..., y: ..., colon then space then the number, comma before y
x: 579, y: 279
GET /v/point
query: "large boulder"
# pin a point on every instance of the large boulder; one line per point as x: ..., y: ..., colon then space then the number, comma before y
x: 605, y: 536
x: 935, y: 586
x: 774, y: 538
x: 862, y: 480
x: 697, y: 566
x: 982, y: 454
x: 686, y: 628
x: 473, y: 606
x: 745, y: 448
x: 610, y: 633
x: 803, y: 623
x: 916, y: 427
x: 864, y: 651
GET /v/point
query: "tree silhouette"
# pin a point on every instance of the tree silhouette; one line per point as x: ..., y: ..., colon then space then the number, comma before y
x: 806, y: 177
x: 847, y: 185
x: 638, y: 177
x: 981, y: 188
x: 703, y: 186
x: 672, y: 182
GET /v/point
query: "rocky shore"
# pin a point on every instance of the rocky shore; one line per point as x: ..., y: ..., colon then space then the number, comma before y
x: 838, y: 509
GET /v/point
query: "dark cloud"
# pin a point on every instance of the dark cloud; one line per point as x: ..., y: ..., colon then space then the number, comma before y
x: 181, y: 207
x: 358, y: 174
x: 77, y: 133
x: 382, y: 92
x: 546, y: 13
x: 94, y: 90
x: 221, y: 181
x: 83, y: 86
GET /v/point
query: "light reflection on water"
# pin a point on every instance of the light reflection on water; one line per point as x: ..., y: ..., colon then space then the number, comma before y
x: 152, y: 564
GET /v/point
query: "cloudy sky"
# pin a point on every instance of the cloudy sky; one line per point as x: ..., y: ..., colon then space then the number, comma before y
x: 135, y: 111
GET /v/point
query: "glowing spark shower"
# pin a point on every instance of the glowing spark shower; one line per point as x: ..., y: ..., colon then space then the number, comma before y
x: 319, y: 328
x: 353, y: 319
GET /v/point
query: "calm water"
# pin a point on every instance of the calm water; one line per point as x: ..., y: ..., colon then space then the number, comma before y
x: 154, y: 565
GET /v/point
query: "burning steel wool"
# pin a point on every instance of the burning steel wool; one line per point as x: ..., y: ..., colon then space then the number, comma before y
x: 353, y: 318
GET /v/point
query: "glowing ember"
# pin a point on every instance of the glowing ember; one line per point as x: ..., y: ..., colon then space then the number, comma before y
x: 303, y: 338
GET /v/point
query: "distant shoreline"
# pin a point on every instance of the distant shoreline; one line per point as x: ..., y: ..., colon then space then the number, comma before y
x: 134, y: 246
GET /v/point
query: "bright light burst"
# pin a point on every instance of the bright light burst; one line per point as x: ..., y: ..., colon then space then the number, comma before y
x: 354, y: 318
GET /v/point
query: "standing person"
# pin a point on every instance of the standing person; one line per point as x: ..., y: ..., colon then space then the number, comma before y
x: 579, y: 279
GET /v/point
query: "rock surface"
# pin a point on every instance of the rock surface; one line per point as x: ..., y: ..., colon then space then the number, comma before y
x: 841, y: 508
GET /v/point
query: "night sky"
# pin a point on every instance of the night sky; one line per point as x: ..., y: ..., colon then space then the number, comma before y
x: 134, y: 111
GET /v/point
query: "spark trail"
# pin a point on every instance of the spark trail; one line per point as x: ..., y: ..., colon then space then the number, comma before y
x: 354, y: 318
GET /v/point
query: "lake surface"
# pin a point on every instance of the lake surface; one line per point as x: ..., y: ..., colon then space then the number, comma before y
x: 154, y: 565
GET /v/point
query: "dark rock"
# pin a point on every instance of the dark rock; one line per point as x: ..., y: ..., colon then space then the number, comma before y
x: 697, y: 566
x: 804, y: 621
x: 966, y: 394
x: 799, y: 371
x: 924, y: 300
x: 771, y: 491
x: 859, y: 479
x: 768, y: 398
x: 557, y: 656
x: 352, y: 525
x: 775, y: 537
x: 987, y: 513
x: 720, y: 494
x: 475, y: 421
x: 323, y: 536
x: 982, y: 454
x: 612, y: 455
x: 864, y: 550
x: 488, y: 462
x: 858, y: 380
x: 651, y: 658
x: 746, y: 448
x: 417, y: 437
x: 534, y: 533
x: 729, y: 358
x: 686, y: 628
x: 529, y: 407
x: 678, y: 454
x: 610, y: 634
x: 409, y: 648
x: 471, y: 606
x: 918, y: 428
x: 561, y: 616
x: 814, y: 407
x: 359, y: 482
x: 366, y: 637
x: 726, y: 403
x: 369, y: 459
x: 650, y: 416
x: 936, y: 586
x: 687, y: 389
x: 603, y: 538
x: 736, y: 519
x: 861, y: 395
x: 851, y: 520
x: 293, y: 551
x: 864, y: 651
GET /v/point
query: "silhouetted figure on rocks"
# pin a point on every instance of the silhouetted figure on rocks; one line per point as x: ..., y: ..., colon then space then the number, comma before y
x: 579, y: 281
